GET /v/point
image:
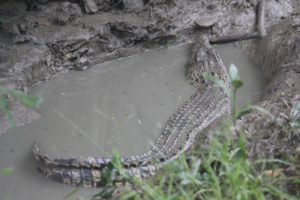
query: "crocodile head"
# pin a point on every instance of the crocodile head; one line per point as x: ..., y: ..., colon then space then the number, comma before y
x: 204, y: 68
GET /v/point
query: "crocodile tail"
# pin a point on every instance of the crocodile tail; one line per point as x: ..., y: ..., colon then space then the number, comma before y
x: 131, y: 161
x: 86, y: 162
x: 44, y: 159
x: 177, y: 136
x: 87, y: 177
x: 74, y: 176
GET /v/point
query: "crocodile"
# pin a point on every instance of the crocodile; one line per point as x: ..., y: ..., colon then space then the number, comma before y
x: 208, y: 104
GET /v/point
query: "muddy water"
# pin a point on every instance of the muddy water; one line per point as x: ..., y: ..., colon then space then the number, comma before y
x: 121, y: 104
x: 251, y: 74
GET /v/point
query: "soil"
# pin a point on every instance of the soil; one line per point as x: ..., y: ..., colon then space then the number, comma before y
x: 58, y: 36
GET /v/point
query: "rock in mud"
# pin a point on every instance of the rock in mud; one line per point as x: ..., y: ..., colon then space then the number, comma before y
x: 275, y: 12
x: 90, y: 6
x: 62, y: 13
x: 13, y: 29
x: 106, y: 5
x: 28, y: 63
x: 206, y: 22
x: 34, y: 4
x: 236, y: 23
x: 21, y: 116
x: 129, y: 33
x: 133, y: 5
x: 156, y: 2
x: 81, y: 64
x: 20, y: 39
x: 68, y: 47
x: 296, y: 19
x: 4, y: 55
x: 22, y: 28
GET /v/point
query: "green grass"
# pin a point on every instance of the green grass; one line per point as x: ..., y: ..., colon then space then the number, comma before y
x: 220, y: 172
x: 6, y: 171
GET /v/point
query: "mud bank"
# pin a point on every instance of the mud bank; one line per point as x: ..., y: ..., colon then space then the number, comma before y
x: 59, y: 36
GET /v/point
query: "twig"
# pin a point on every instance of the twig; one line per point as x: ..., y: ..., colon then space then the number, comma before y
x: 233, y: 38
x: 261, y: 18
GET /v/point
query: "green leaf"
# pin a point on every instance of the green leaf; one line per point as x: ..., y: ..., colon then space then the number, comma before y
x: 116, y: 160
x: 237, y: 84
x: 129, y: 195
x: 114, y: 167
x: 196, y: 167
x: 242, y: 144
x: 296, y: 110
x: 6, y: 171
x: 4, y: 106
x: 243, y: 111
x: 106, y: 178
x: 235, y: 77
x: 106, y: 193
x: 30, y: 101
x: 233, y: 73
x: 274, y: 160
